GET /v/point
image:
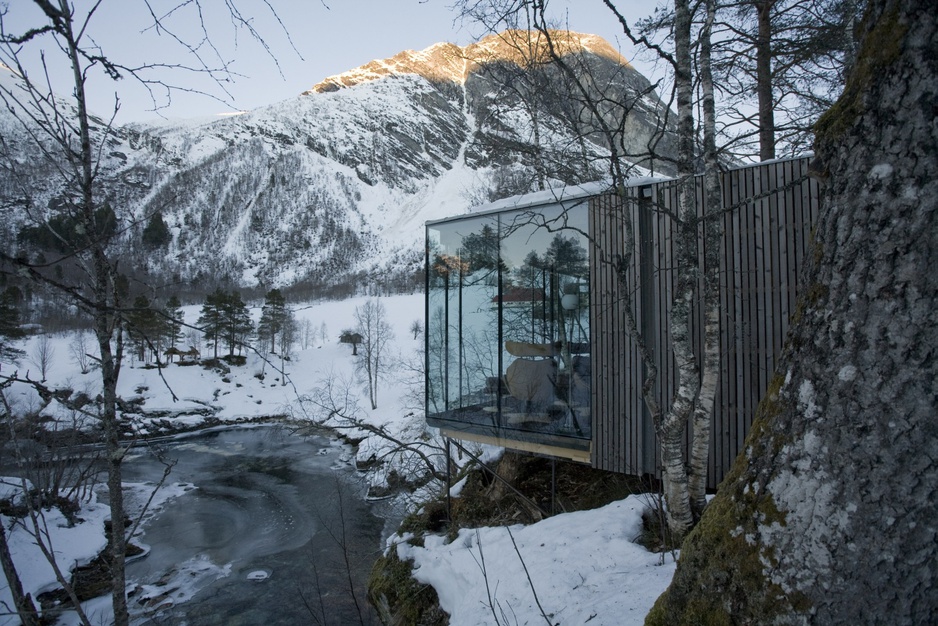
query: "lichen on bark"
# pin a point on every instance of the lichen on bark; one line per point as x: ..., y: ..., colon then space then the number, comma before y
x: 879, y: 50
x: 724, y: 554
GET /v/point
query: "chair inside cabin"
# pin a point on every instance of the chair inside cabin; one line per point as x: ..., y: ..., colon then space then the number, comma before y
x: 531, y: 379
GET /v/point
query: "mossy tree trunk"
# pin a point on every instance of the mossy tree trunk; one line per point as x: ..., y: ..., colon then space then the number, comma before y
x: 829, y: 515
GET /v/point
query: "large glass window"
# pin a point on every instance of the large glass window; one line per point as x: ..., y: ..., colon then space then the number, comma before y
x: 463, y: 273
x: 508, y: 324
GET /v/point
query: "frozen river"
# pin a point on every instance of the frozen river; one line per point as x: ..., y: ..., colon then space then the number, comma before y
x: 271, y: 532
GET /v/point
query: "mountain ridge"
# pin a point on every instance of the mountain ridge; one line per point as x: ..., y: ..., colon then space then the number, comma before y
x: 448, y: 61
x: 334, y: 185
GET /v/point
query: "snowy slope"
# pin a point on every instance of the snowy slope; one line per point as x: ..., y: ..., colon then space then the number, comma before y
x: 337, y: 182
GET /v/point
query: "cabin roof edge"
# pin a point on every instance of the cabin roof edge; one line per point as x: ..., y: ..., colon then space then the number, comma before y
x: 553, y: 195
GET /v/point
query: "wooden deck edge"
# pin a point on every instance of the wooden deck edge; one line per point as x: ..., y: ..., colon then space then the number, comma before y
x: 579, y: 456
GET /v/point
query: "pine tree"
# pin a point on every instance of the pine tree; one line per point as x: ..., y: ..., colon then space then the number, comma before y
x: 273, y: 320
x: 144, y: 325
x: 236, y: 321
x: 9, y: 322
x: 174, y: 321
x: 211, y: 318
x: 156, y: 234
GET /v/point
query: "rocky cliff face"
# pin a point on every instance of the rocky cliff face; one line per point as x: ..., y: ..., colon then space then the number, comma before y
x: 338, y: 181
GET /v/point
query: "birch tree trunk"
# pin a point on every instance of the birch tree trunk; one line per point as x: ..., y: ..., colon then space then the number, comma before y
x: 110, y: 370
x: 829, y: 515
x: 672, y: 424
x: 99, y: 295
x: 710, y: 300
x: 107, y: 328
x: 64, y: 135
x: 23, y: 602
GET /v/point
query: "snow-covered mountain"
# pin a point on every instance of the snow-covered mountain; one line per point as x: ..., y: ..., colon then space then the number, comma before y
x: 337, y: 182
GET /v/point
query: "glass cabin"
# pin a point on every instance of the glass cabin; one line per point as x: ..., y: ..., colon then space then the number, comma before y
x: 508, y: 328
x: 542, y: 312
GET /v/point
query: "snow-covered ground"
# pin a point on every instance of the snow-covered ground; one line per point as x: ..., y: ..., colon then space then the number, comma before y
x: 574, y: 568
x: 583, y: 567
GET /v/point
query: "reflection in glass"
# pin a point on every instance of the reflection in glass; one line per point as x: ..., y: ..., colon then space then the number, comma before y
x: 508, y: 325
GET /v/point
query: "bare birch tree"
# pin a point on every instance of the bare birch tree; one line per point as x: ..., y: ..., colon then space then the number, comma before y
x: 79, y: 350
x: 703, y: 410
x: 22, y: 602
x: 672, y: 422
x: 307, y: 333
x: 778, y: 65
x: 42, y: 356
x: 376, y: 332
x: 72, y: 146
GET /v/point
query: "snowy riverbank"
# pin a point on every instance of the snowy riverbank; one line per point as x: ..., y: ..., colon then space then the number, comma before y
x: 583, y: 565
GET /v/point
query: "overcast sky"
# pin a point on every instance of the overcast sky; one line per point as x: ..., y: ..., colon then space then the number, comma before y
x: 328, y: 37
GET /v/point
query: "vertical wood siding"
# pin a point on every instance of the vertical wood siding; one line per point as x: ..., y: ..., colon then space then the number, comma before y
x: 768, y: 210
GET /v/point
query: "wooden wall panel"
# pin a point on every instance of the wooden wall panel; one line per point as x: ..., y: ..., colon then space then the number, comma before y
x: 768, y: 210
x: 617, y: 406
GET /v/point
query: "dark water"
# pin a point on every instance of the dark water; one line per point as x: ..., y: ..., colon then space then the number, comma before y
x: 265, y: 503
